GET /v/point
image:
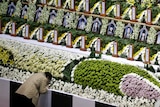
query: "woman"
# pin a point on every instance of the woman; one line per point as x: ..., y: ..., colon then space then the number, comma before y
x: 27, y: 94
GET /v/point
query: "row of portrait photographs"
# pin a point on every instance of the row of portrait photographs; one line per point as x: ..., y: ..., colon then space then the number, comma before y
x: 82, y: 22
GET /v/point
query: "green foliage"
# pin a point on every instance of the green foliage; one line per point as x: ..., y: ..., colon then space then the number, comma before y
x: 44, y: 15
x: 3, y: 7
x: 106, y: 75
x: 68, y: 69
x: 6, y: 57
x: 31, y: 11
x: 18, y: 9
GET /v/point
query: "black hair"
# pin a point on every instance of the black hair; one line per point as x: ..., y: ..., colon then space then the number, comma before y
x: 49, y: 75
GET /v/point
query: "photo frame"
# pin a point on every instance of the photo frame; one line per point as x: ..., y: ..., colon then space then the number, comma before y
x: 130, y: 52
x: 83, y: 43
x: 96, y: 25
x: 133, y: 14
x: 59, y: 5
x: 26, y: 34
x: 87, y: 6
x: 38, y: 13
x: 149, y: 16
x: 158, y: 38
x: 103, y: 11
x: 40, y: 38
x: 82, y: 22
x: 24, y: 11
x: 143, y: 33
x: 13, y: 31
x: 111, y: 28
x: 52, y: 16
x: 147, y: 56
x: 69, y: 40
x: 65, y: 23
x: 128, y: 30
x: 115, y: 49
x: 55, y: 38
x: 11, y: 9
x: 72, y: 5
x: 98, y: 46
x: 118, y: 11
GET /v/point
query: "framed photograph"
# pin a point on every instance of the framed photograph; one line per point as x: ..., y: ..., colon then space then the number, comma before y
x: 118, y: 11
x: 72, y: 5
x: 115, y: 49
x: 128, y: 30
x: 26, y: 36
x: 38, y: 13
x: 149, y: 16
x: 83, y: 43
x: 65, y: 23
x: 158, y: 38
x: 82, y: 22
x: 55, y: 38
x: 103, y: 11
x: 69, y: 40
x: 96, y: 25
x: 133, y: 14
x: 13, y: 33
x: 87, y: 10
x: 111, y: 28
x: 52, y: 16
x: 147, y: 56
x: 130, y: 52
x: 98, y: 46
x: 11, y: 9
x: 40, y: 39
x: 59, y: 4
x: 143, y: 34
x: 24, y: 11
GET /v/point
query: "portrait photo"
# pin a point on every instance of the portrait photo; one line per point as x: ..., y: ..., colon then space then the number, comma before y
x: 111, y: 28
x: 11, y: 9
x: 82, y: 22
x: 158, y: 38
x: 96, y: 25
x: 38, y: 13
x: 143, y: 34
x: 24, y: 11
x: 65, y: 23
x: 128, y: 30
x: 52, y: 16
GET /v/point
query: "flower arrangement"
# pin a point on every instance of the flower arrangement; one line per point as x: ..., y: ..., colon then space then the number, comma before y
x: 18, y: 9
x: 119, y: 29
x: 53, y: 2
x: 38, y: 59
x: 104, y: 26
x: 76, y: 41
x: 109, y: 47
x: 89, y: 24
x: 81, y: 5
x: 49, y: 34
x: 96, y: 5
x: 3, y: 7
x: 151, y: 36
x: 124, y: 51
x: 44, y: 15
x: 21, y: 28
x: 31, y: 11
x: 59, y: 19
x: 67, y: 3
x: 136, y: 86
x: 140, y: 52
x: 35, y: 32
x: 8, y: 25
x: 76, y: 89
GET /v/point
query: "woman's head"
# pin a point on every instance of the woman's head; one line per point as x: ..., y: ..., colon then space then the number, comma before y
x: 48, y: 75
